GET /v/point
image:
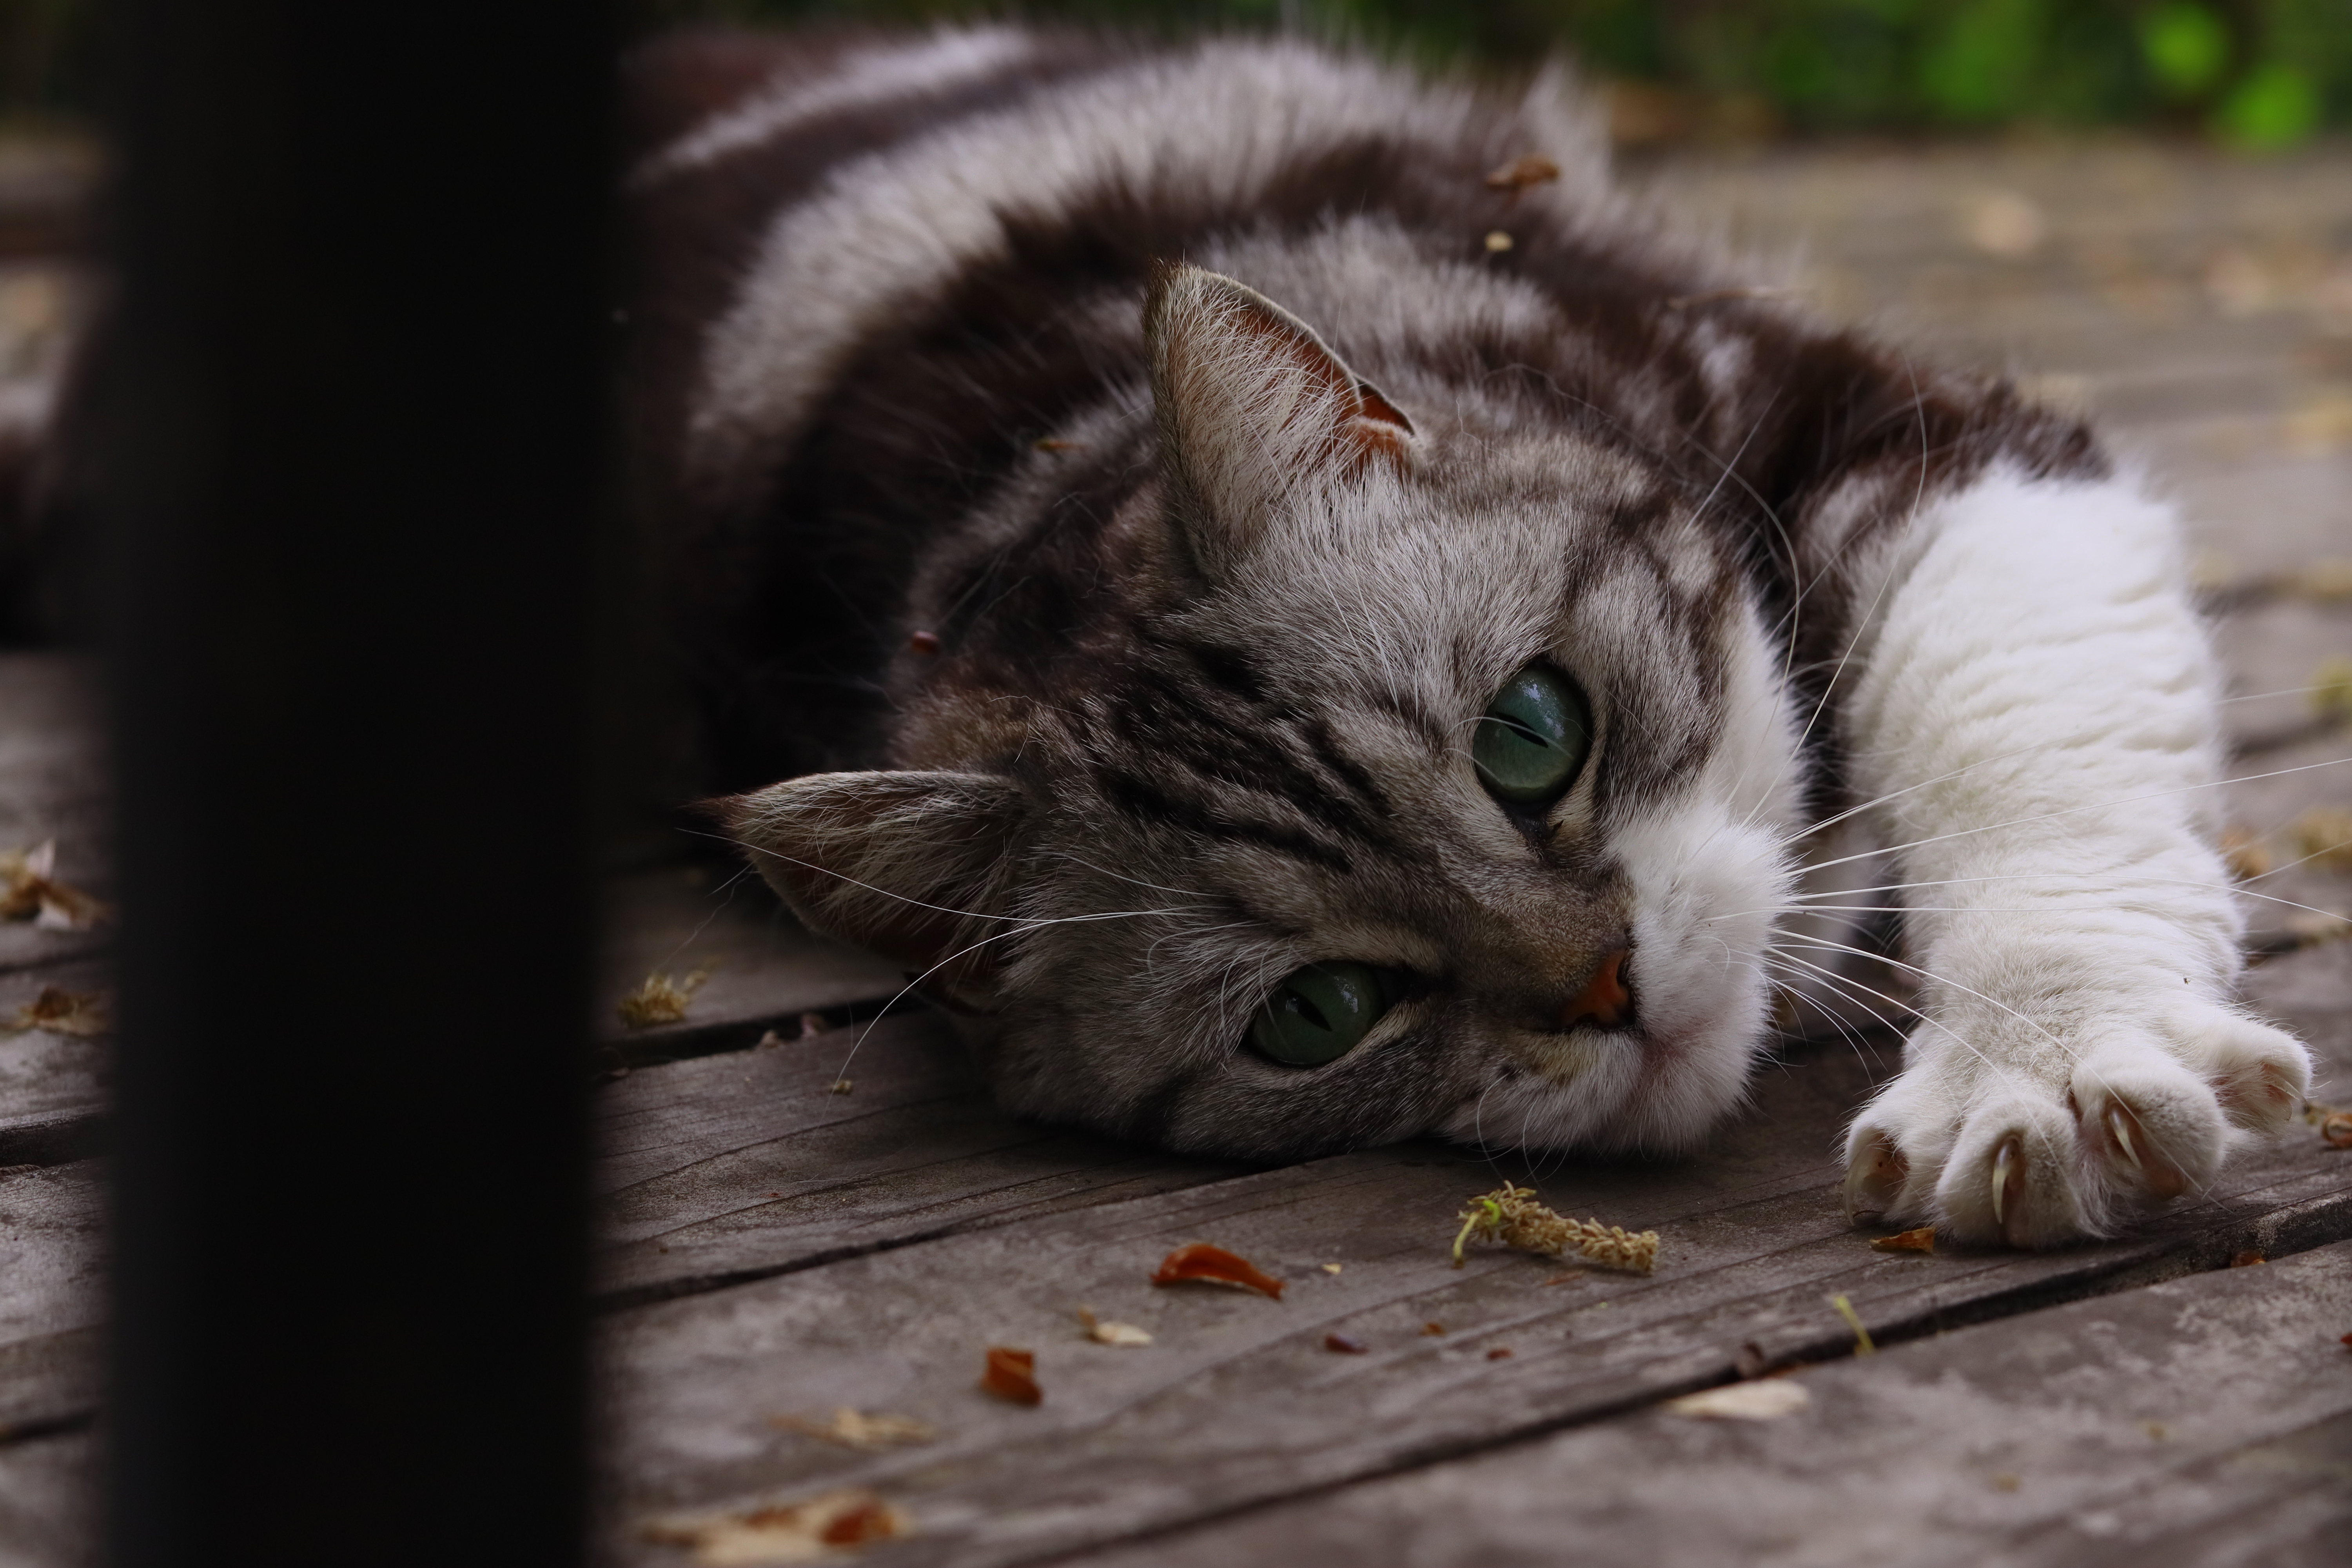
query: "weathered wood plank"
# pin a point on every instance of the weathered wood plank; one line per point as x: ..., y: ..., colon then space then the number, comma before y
x: 2206, y: 1420
x: 48, y: 1511
x: 52, y: 1262
x: 1239, y: 1402
x: 761, y: 968
x: 53, y: 785
x: 732, y: 1167
x: 52, y: 1086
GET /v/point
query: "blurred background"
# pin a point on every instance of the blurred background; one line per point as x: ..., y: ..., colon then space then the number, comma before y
x: 2248, y: 73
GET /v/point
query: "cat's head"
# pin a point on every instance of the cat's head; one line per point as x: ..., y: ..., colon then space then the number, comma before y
x: 1423, y: 772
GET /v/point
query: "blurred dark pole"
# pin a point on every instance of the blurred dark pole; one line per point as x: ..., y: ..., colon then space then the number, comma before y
x: 350, y: 416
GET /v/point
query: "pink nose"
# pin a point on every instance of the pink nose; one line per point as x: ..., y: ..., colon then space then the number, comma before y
x: 1605, y: 1002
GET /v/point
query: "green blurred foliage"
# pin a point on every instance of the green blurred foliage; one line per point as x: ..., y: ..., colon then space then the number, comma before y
x: 2255, y: 73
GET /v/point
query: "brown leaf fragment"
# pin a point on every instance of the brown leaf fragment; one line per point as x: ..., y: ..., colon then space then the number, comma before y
x: 2246, y: 1257
x: 1500, y: 1352
x: 660, y: 1000
x: 853, y: 1430
x: 1198, y: 1260
x: 1012, y: 1375
x: 1520, y: 172
x: 805, y: 1533
x: 57, y: 1011
x: 29, y: 890
x: 1433, y: 1329
x: 1348, y: 1345
x: 1920, y: 1240
x: 1511, y: 1216
x: 2348, y: 1342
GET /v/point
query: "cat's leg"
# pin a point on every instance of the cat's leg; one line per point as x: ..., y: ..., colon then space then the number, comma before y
x: 2035, y: 711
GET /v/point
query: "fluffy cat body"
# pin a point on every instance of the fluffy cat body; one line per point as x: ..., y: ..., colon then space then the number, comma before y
x: 1110, y: 489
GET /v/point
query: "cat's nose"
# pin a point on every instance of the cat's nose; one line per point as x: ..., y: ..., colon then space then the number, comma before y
x: 1607, y: 1001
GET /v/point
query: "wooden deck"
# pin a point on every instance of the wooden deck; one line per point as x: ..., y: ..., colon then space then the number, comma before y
x: 771, y: 1249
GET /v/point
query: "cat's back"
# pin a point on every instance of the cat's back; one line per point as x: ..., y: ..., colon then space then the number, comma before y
x: 868, y: 272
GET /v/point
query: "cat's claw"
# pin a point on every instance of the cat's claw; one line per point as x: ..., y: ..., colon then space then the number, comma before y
x: 2044, y: 1148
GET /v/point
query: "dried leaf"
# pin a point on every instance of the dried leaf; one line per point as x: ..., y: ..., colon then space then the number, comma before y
x: 1766, y: 1399
x: 1433, y: 1329
x: 2246, y: 1257
x: 2246, y: 854
x: 29, y: 890
x: 1198, y: 1260
x: 2331, y: 689
x: 2323, y: 836
x: 1511, y: 1216
x: 1920, y: 1240
x: 62, y: 1012
x: 660, y: 1000
x: 805, y: 1532
x: 853, y: 1430
x: 1520, y: 172
x: 1348, y: 1345
x: 1126, y: 1336
x: 1500, y: 1352
x: 1013, y: 1375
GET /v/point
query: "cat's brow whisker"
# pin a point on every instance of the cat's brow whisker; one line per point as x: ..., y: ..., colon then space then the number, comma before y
x: 2069, y: 1052
x: 1837, y: 983
x: 2074, y: 811
x: 1029, y: 923
x: 845, y: 876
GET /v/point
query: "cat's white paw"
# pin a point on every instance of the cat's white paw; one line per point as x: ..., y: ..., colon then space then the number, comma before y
x: 2003, y: 1131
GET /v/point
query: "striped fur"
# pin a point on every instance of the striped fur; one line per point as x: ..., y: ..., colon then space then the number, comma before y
x: 1105, y: 485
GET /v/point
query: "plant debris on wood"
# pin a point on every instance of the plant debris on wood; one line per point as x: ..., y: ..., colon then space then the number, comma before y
x: 855, y: 1429
x: 805, y: 1533
x: 1198, y: 1260
x: 1012, y: 1375
x: 63, y: 1012
x: 1766, y: 1399
x: 1511, y: 1216
x: 1125, y: 1336
x: 2323, y: 836
x: 2333, y: 1121
x: 1920, y: 1240
x: 1344, y: 1344
x: 660, y: 1000
x: 1520, y: 172
x: 32, y: 891
x: 1862, y: 1343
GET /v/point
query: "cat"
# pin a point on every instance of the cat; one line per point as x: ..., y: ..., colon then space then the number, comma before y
x: 1306, y: 617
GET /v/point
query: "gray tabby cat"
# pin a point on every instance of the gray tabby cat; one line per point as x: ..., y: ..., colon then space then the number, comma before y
x: 1307, y: 618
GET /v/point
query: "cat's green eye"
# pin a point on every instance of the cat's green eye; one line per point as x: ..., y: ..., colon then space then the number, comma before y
x: 1322, y: 1012
x: 1532, y: 740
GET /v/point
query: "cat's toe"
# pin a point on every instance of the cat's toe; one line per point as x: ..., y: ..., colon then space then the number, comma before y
x: 1876, y: 1169
x: 2150, y: 1128
x: 2259, y: 1074
x: 2011, y: 1177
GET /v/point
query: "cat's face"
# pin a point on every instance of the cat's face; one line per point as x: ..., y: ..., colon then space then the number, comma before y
x: 1438, y: 781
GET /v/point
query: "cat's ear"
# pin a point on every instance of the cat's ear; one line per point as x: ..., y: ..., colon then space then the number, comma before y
x: 909, y: 865
x: 1253, y: 408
